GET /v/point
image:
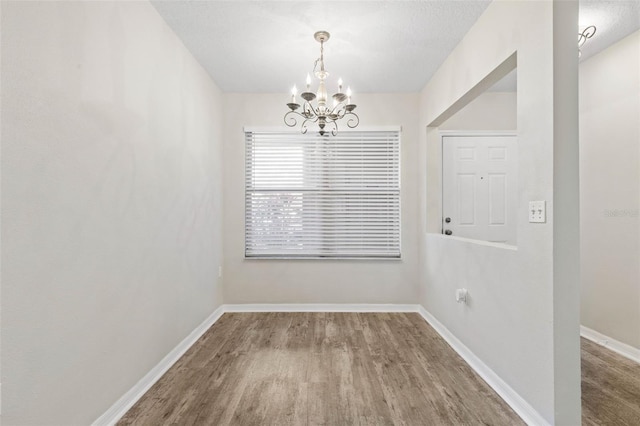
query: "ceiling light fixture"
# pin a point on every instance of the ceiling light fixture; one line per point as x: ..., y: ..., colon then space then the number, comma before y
x: 586, y: 34
x: 326, y: 116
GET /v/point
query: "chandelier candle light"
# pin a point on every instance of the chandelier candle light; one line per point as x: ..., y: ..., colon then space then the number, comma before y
x: 325, y: 116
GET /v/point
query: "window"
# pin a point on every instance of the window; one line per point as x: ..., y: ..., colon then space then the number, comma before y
x: 322, y: 197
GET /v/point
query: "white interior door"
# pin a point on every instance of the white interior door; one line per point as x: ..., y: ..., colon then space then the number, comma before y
x: 479, y: 187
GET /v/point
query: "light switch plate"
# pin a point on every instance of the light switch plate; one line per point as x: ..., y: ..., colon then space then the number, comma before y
x: 537, y: 211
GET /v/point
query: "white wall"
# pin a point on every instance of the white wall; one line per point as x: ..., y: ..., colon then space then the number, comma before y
x: 317, y: 281
x: 610, y: 190
x: 111, y: 203
x: 522, y: 320
x: 489, y: 111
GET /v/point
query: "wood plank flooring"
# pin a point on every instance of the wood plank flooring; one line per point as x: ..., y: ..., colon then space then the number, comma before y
x: 353, y: 369
x: 321, y: 369
x: 610, y: 387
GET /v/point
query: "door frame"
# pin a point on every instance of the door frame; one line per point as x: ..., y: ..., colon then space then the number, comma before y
x: 462, y: 133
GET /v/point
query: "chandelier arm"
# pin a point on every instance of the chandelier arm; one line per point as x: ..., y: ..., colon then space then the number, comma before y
x: 353, y: 121
x: 290, y: 118
x: 339, y: 111
x: 334, y: 110
x: 306, y: 108
x: 586, y: 34
x: 334, y: 131
x: 309, y: 109
x: 305, y: 124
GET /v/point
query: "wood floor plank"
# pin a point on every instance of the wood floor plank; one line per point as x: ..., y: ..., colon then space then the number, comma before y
x: 320, y: 369
x: 610, y: 387
x: 348, y: 368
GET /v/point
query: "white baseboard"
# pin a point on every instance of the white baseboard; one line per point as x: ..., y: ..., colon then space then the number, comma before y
x: 510, y: 396
x: 320, y: 307
x: 614, y: 345
x: 121, y: 406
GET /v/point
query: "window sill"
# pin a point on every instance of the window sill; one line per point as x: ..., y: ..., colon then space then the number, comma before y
x: 321, y: 258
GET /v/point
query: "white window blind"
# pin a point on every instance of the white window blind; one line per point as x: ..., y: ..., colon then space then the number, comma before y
x: 314, y: 196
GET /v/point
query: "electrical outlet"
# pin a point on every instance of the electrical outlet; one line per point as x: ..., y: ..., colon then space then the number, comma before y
x: 219, y: 271
x: 537, y: 212
x: 461, y: 295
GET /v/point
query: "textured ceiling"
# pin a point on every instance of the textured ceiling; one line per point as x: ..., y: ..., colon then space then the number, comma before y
x: 375, y: 46
x: 267, y: 46
x: 614, y: 20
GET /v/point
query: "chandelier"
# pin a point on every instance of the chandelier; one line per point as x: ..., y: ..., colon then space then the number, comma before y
x: 325, y: 115
x: 585, y: 35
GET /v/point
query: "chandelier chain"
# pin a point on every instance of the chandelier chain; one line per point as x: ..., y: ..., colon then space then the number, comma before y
x: 320, y: 59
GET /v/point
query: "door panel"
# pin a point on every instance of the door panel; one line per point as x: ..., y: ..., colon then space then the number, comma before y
x: 497, y: 198
x: 466, y: 153
x: 467, y: 198
x: 480, y: 187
